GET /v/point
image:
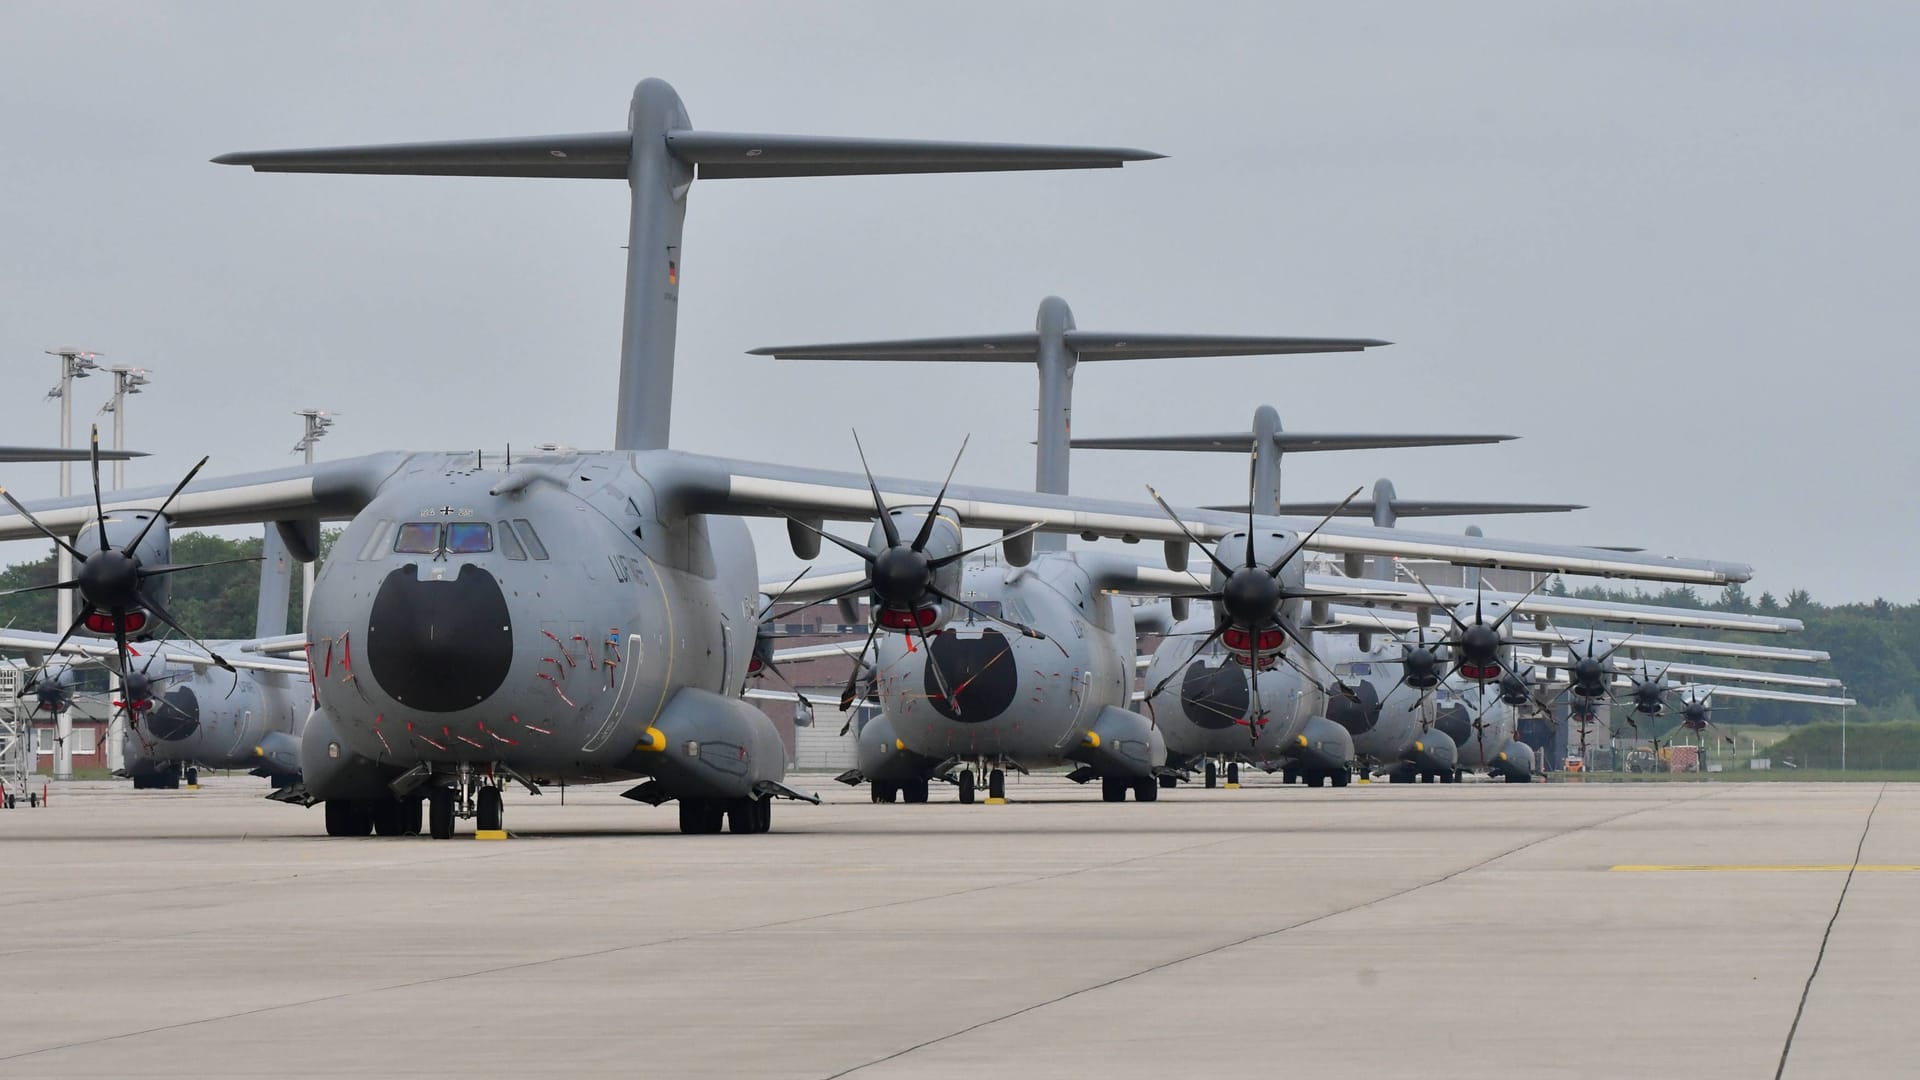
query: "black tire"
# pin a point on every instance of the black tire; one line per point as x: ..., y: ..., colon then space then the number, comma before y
x: 1426, y: 777
x: 882, y: 792
x: 411, y: 809
x: 1113, y: 789
x: 389, y: 817
x: 10, y: 799
x: 914, y: 791
x: 1340, y: 777
x: 1233, y: 772
x: 997, y: 784
x: 1316, y: 778
x: 743, y: 816
x: 1450, y: 777
x: 1168, y: 781
x: 1213, y: 774
x: 1401, y: 775
x: 489, y: 810
x: 193, y: 777
x: 33, y: 800
x: 763, y: 815
x: 348, y: 817
x: 965, y: 782
x: 702, y: 817
x: 1146, y: 789
x: 440, y: 813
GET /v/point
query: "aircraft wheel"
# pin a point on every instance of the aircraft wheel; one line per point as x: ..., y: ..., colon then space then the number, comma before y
x: 410, y: 813
x: 743, y: 815
x: 1450, y: 777
x: 700, y: 817
x: 763, y: 815
x: 965, y: 780
x: 882, y: 792
x: 440, y: 813
x: 348, y: 817
x: 997, y: 784
x: 1340, y: 777
x: 1113, y: 789
x: 1401, y: 775
x: 1213, y: 774
x: 33, y: 800
x: 1145, y: 789
x: 1233, y: 772
x: 489, y: 810
x: 1426, y: 777
x: 914, y: 791
x: 389, y: 817
x: 1168, y: 781
x: 1517, y: 778
x: 193, y: 777
x: 1316, y: 778
x: 10, y: 799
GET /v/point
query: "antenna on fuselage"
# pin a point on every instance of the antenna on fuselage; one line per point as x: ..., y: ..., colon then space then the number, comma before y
x: 660, y: 155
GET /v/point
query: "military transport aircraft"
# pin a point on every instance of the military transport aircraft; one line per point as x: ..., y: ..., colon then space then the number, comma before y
x: 590, y: 616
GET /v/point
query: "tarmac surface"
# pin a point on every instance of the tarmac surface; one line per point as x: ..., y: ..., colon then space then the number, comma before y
x: 1480, y: 929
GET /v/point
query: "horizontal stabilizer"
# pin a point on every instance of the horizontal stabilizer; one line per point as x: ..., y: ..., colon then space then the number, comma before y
x: 714, y: 154
x: 1287, y: 442
x: 12, y: 454
x: 1024, y: 348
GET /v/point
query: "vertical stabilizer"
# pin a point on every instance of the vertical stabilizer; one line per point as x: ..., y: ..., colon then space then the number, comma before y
x: 659, y: 156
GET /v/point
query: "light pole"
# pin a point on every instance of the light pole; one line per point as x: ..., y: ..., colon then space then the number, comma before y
x: 126, y: 380
x: 1843, y: 732
x: 318, y: 421
x: 74, y: 364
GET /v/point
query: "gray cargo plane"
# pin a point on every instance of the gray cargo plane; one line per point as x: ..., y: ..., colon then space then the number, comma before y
x: 590, y: 616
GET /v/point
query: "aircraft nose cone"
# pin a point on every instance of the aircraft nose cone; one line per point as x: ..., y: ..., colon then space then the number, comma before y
x: 1215, y: 697
x: 440, y: 646
x: 1453, y: 722
x: 174, y: 717
x: 1358, y: 712
x: 1250, y: 595
x: 900, y: 576
x: 981, y: 672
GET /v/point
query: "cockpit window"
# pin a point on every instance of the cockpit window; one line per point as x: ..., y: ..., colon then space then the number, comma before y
x: 509, y: 544
x: 530, y: 538
x: 418, y: 538
x: 469, y: 537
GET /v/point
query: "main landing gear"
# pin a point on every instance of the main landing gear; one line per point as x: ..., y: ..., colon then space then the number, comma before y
x: 470, y: 794
x: 1115, y: 788
x: 753, y: 814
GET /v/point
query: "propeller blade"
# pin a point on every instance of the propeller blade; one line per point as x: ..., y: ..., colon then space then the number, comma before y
x: 1205, y: 644
x: 162, y: 512
x: 40, y: 588
x: 841, y: 595
x: 1188, y: 533
x: 99, y: 513
x: 858, y: 549
x: 949, y: 560
x: 1274, y: 570
x: 887, y: 526
x: 784, y: 589
x: 788, y: 683
x: 926, y: 526
x: 1253, y: 463
x: 1514, y: 609
x: 174, y: 568
x: 1451, y: 617
x: 1025, y: 630
x: 164, y: 616
x: 933, y: 665
x: 35, y: 522
x: 846, y: 696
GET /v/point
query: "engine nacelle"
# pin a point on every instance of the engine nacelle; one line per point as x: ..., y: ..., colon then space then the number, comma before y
x: 905, y: 576
x: 156, y: 549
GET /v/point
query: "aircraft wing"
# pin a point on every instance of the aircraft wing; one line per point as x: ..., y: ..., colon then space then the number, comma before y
x: 39, y: 645
x: 1566, y: 606
x: 1696, y: 671
x: 284, y: 645
x: 1361, y: 619
x: 328, y: 490
x: 703, y: 484
x: 1755, y: 694
x: 832, y: 651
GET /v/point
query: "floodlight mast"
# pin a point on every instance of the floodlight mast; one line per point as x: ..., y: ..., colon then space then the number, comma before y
x: 126, y: 380
x: 317, y: 421
x: 74, y: 364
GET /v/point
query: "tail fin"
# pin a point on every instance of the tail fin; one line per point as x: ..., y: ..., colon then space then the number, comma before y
x: 660, y: 155
x: 1056, y: 346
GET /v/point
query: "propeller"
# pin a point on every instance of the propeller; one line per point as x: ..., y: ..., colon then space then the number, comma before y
x: 901, y: 581
x: 1251, y: 598
x: 1422, y: 663
x: 1476, y: 645
x: 1696, y: 713
x: 112, y: 583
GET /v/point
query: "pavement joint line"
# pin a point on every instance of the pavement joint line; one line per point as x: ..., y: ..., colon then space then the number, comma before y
x: 1250, y: 938
x: 608, y: 951
x: 1830, y: 868
x: 1826, y: 936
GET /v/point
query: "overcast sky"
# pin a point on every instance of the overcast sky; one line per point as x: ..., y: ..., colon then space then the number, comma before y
x: 1670, y: 245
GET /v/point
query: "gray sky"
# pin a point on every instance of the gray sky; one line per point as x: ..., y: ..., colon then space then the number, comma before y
x: 1669, y: 244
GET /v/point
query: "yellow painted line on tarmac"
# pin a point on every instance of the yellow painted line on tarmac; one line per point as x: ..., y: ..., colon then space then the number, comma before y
x: 1827, y: 868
